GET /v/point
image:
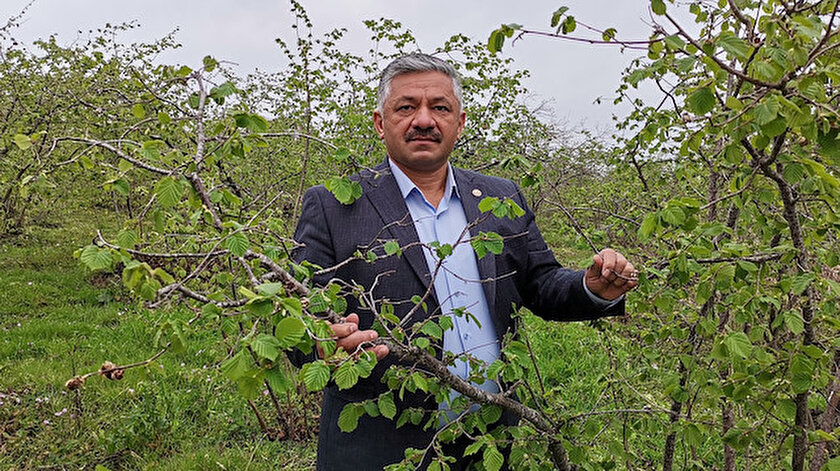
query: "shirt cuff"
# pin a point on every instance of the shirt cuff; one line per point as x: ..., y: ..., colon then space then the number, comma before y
x: 599, y: 301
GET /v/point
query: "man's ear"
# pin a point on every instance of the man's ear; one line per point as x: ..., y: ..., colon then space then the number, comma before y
x: 377, y: 124
x: 463, y: 120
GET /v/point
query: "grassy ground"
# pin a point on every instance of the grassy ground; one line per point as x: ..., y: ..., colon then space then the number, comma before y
x: 57, y: 320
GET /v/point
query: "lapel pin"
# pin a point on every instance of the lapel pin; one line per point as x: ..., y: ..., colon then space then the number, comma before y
x: 476, y: 192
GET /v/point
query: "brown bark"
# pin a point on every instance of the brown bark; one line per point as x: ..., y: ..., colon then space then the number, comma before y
x: 728, y: 422
x: 828, y: 416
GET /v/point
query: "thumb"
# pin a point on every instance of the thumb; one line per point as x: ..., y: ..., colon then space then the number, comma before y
x: 352, y: 318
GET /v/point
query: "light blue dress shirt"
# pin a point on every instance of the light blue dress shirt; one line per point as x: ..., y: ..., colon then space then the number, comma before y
x: 458, y: 283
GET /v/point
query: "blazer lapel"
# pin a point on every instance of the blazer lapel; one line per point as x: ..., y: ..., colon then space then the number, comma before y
x: 380, y: 187
x: 472, y: 191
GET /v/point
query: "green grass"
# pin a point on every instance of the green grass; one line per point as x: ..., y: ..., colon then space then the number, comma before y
x: 57, y: 320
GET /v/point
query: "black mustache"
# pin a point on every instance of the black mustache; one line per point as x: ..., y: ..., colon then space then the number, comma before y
x: 423, y: 133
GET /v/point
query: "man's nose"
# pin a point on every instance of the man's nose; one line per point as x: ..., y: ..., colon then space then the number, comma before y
x: 423, y: 118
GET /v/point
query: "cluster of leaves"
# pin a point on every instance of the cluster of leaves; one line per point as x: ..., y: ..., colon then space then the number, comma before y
x: 728, y: 186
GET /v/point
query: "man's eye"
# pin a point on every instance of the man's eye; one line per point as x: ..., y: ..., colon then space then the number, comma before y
x: 404, y: 108
x: 441, y: 108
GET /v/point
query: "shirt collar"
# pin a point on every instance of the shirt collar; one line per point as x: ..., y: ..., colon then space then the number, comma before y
x: 406, y: 185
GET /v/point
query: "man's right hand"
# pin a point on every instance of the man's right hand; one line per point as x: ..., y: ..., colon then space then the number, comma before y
x: 349, y: 337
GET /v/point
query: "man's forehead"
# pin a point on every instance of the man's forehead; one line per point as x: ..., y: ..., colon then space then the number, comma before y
x: 436, y: 84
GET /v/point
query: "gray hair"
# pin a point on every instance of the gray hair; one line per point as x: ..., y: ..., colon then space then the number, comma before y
x: 416, y: 62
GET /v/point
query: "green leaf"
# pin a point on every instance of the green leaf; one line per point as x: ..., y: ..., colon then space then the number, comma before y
x: 673, y: 215
x: 348, y: 420
x: 490, y: 413
x: 496, y: 41
x: 22, y: 141
x: 473, y: 447
x: 392, y: 247
x: 569, y: 24
x: 124, y: 165
x: 236, y: 366
x: 701, y: 101
x: 292, y: 306
x: 148, y: 290
x: 793, y: 172
x: 209, y: 63
x: 211, y: 311
x: 487, y: 242
x: 432, y: 330
x: 794, y: 322
x: 341, y: 154
x: 765, y: 71
x: 765, y: 112
x: 168, y: 192
x: 219, y: 93
x: 121, y: 186
x: 488, y: 204
x: 251, y: 122
x: 289, y: 332
x: 493, y: 459
x: 734, y: 45
x: 250, y: 385
x: 494, y: 369
x: 365, y: 364
x: 260, y: 306
x: 557, y: 16
x: 724, y: 277
x: 444, y: 251
x: 242, y: 290
x: 734, y: 103
x: 801, y: 283
x: 270, y: 289
x: 138, y: 111
x: 649, y: 225
x: 315, y: 375
x: 277, y: 379
x: 420, y: 381
x: 802, y: 371
x: 346, y: 376
x: 674, y: 42
x: 658, y: 6
x: 318, y: 303
x: 163, y: 275
x: 386, y: 405
x: 95, y: 258
x: 237, y: 243
x: 346, y: 191
x: 738, y: 344
x: 266, y: 346
x: 774, y: 128
x: 127, y: 238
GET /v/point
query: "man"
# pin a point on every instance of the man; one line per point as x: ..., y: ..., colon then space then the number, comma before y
x: 416, y: 197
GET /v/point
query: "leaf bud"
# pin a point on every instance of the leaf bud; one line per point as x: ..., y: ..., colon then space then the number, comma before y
x: 74, y: 383
x: 108, y: 369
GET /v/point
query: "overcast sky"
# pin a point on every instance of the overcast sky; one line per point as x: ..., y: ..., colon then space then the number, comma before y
x: 571, y: 75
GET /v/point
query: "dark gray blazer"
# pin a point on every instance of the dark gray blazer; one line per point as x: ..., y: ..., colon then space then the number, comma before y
x: 525, y: 273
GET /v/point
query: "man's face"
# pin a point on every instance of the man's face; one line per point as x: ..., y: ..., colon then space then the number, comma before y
x: 420, y: 121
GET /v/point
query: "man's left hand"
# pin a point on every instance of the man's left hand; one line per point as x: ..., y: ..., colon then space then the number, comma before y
x: 610, y: 275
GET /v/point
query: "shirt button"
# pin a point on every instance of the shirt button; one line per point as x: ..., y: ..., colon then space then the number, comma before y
x: 466, y: 336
